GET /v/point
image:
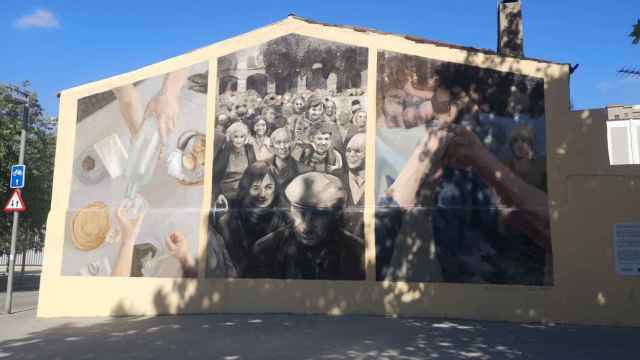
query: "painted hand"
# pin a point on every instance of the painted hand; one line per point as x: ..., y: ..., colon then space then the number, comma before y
x: 177, y: 245
x: 465, y: 150
x: 129, y: 228
x: 165, y: 109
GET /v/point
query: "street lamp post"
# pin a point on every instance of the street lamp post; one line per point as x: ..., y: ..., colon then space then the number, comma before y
x: 16, y: 215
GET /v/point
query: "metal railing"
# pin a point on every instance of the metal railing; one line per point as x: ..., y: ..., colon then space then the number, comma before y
x: 32, y: 257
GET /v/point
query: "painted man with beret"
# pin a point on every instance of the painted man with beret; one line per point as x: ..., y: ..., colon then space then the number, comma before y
x: 315, y: 245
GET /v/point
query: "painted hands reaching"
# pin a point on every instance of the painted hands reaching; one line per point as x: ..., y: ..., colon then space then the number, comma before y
x: 177, y: 245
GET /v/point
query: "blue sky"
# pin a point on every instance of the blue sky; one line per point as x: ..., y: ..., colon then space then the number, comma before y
x: 61, y: 44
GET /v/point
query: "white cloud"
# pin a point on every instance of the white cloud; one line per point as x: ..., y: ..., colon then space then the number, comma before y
x: 41, y: 18
x: 616, y: 84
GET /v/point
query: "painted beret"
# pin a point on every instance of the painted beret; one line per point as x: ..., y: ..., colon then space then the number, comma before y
x: 315, y: 190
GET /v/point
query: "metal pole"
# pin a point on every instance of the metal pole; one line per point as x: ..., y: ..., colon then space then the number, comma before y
x: 16, y: 215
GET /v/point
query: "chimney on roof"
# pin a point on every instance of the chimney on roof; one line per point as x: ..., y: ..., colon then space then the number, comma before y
x: 510, y: 36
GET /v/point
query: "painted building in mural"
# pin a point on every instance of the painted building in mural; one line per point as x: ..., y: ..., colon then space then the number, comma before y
x: 326, y: 169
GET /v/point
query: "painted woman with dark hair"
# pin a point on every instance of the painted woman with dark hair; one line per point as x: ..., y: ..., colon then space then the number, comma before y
x: 260, y: 131
x: 258, y: 210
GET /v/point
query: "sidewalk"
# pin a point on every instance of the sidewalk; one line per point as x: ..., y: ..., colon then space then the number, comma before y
x: 234, y: 337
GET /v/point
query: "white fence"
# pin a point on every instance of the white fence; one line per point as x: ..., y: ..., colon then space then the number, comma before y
x: 32, y: 258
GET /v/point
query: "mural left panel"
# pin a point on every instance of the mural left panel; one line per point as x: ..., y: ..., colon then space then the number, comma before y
x: 138, y: 171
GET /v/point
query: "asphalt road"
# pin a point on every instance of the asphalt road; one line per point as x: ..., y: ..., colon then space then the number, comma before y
x: 233, y: 337
x: 27, y: 281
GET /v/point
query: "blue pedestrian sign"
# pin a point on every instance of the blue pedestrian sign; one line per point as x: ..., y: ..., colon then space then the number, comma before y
x: 17, y: 176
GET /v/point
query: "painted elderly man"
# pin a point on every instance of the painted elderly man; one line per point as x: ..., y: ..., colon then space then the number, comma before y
x: 284, y: 165
x: 352, y: 177
x: 315, y: 244
x: 321, y: 155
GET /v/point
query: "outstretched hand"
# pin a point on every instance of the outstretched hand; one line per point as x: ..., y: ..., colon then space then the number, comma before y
x: 465, y: 149
x: 164, y: 109
x: 177, y: 245
x: 426, y: 160
x: 129, y: 228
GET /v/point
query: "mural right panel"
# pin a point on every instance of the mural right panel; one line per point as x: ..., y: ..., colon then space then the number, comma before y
x: 461, y: 175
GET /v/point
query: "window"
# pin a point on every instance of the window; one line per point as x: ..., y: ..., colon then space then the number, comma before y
x: 623, y: 139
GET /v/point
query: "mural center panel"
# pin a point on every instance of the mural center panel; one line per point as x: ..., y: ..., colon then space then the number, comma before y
x: 288, y: 174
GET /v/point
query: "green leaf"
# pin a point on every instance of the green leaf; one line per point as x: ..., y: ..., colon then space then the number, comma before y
x: 635, y: 34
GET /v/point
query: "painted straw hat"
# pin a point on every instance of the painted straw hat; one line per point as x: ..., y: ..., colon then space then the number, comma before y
x: 90, y: 226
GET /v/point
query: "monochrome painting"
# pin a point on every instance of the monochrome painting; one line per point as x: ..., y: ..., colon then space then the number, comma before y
x: 289, y: 162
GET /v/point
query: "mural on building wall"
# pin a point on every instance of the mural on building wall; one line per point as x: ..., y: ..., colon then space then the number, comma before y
x: 288, y: 173
x: 138, y: 171
x: 460, y: 174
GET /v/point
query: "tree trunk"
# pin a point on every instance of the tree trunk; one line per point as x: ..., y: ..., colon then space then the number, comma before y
x: 24, y: 259
x: 25, y: 241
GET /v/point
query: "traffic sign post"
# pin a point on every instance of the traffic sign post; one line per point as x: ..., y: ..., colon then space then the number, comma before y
x: 15, y: 202
x: 8, y: 300
x: 17, y: 176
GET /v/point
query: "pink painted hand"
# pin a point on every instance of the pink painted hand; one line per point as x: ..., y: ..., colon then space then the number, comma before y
x: 129, y: 228
x: 164, y: 109
x: 177, y: 245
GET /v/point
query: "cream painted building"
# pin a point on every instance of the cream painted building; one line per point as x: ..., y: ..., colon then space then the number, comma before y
x: 567, y: 267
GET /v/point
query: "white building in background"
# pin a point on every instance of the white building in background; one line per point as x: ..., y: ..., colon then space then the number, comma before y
x: 623, y: 112
x: 623, y: 134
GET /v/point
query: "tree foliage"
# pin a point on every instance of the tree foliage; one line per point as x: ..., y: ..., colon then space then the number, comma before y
x: 287, y: 57
x: 39, y: 157
x: 635, y: 34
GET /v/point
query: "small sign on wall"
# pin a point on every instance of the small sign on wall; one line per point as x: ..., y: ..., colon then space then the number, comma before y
x: 626, y: 247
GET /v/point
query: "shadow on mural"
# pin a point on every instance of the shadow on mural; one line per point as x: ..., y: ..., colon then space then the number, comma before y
x: 460, y: 174
x: 461, y: 199
x: 500, y: 116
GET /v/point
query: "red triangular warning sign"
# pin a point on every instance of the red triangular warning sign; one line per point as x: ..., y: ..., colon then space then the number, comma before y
x: 15, y: 202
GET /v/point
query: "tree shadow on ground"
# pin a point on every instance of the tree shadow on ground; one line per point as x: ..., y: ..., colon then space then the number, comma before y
x: 309, y: 337
x: 348, y: 337
x: 360, y: 297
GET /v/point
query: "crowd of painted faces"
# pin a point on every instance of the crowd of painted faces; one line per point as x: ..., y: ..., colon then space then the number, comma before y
x: 288, y: 186
x: 289, y: 190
